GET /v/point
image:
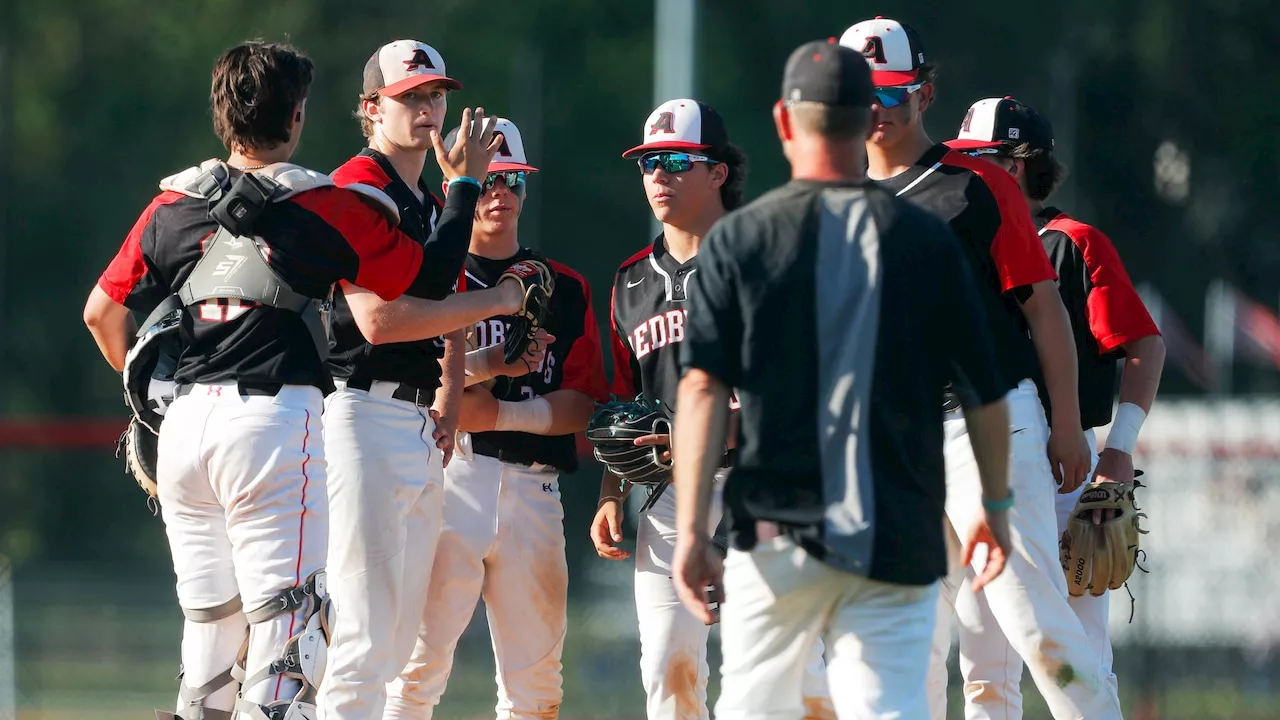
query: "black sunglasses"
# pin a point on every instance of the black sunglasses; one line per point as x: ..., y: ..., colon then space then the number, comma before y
x: 513, y: 179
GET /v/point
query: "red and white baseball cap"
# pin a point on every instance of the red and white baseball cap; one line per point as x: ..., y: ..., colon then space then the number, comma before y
x: 995, y: 123
x: 683, y: 125
x: 893, y: 50
x: 510, y: 155
x: 403, y: 65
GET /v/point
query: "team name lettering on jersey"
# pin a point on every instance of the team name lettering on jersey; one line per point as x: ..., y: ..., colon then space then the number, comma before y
x: 657, y: 332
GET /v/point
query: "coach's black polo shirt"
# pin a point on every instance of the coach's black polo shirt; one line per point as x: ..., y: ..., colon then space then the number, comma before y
x: 837, y: 312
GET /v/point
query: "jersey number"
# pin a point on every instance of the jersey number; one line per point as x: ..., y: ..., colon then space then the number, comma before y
x: 216, y: 310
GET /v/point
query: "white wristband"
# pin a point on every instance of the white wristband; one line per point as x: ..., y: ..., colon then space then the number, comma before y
x: 531, y: 416
x: 1124, y: 429
x: 478, y: 366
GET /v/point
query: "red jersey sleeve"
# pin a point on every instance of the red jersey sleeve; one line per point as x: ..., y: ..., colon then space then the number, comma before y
x: 584, y: 366
x: 624, y: 379
x: 129, y: 265
x: 388, y: 260
x: 1117, y: 314
x: 361, y: 169
x: 1016, y: 248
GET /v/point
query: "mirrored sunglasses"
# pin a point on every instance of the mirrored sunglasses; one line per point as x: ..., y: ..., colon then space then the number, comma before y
x: 513, y: 179
x: 890, y: 97
x: 671, y: 162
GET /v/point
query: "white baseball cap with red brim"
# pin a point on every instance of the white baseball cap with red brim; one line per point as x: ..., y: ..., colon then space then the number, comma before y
x: 892, y: 49
x: 402, y: 65
x: 682, y: 125
x: 510, y: 155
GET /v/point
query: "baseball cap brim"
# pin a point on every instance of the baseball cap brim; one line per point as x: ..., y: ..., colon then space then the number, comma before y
x: 973, y: 144
x: 639, y: 150
x: 414, y: 81
x: 893, y: 78
x: 504, y: 166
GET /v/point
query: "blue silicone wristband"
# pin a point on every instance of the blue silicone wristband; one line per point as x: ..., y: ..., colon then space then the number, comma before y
x: 464, y: 179
x: 999, y: 505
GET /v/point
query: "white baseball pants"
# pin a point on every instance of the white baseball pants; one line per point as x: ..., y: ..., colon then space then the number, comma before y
x: 502, y: 539
x: 1025, y: 610
x: 242, y: 489
x: 386, y: 488
x: 994, y: 677
x: 779, y: 601
x: 673, y: 643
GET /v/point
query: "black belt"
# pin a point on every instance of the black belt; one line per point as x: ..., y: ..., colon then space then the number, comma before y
x: 488, y: 449
x: 407, y: 393
x: 245, y: 389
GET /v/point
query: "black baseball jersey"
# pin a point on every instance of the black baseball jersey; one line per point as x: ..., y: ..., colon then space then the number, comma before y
x: 985, y: 209
x: 1106, y: 311
x: 312, y: 240
x: 444, y: 236
x: 647, y: 312
x: 836, y: 311
x: 573, y: 362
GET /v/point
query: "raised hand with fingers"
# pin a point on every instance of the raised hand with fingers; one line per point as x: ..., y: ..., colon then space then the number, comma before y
x: 472, y: 148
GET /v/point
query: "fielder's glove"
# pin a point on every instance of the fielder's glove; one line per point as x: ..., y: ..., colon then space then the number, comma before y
x: 1097, y: 558
x: 613, y: 430
x: 140, y: 448
x: 537, y: 281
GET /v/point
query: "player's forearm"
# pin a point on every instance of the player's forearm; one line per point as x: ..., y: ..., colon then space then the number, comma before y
x: 449, y: 398
x: 570, y: 411
x: 988, y: 428
x: 1143, y: 365
x: 700, y: 431
x: 1056, y: 348
x: 559, y: 412
x: 612, y: 486
x: 111, y: 325
x: 410, y: 318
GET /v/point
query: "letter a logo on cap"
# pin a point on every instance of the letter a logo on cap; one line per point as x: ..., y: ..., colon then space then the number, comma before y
x: 666, y: 122
x: 419, y: 59
x: 874, y: 50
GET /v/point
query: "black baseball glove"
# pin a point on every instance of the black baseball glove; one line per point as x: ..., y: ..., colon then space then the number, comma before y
x: 613, y: 430
x: 537, y: 281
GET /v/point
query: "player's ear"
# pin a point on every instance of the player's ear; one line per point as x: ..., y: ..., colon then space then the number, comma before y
x: 719, y: 174
x: 926, y: 96
x: 782, y: 121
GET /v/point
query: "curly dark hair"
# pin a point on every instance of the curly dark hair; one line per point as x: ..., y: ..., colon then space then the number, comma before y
x: 735, y: 161
x: 256, y: 86
x: 1044, y: 171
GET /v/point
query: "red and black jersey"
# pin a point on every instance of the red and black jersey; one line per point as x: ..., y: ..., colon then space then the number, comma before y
x: 647, y: 316
x: 1106, y: 311
x: 312, y: 240
x: 984, y: 208
x: 444, y: 231
x: 573, y: 362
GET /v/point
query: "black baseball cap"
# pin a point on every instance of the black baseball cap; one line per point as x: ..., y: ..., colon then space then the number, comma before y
x: 823, y: 71
x: 995, y: 123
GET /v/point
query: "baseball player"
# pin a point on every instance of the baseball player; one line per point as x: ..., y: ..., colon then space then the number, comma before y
x: 1109, y: 322
x: 836, y: 498
x: 243, y: 251
x: 692, y: 176
x: 1034, y: 348
x: 390, y: 410
x: 503, y: 532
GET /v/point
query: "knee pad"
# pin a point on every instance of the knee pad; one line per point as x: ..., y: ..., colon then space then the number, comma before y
x: 192, y: 699
x: 304, y: 654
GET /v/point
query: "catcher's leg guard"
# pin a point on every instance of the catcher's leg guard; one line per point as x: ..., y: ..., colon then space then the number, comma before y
x: 191, y: 700
x: 304, y: 654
